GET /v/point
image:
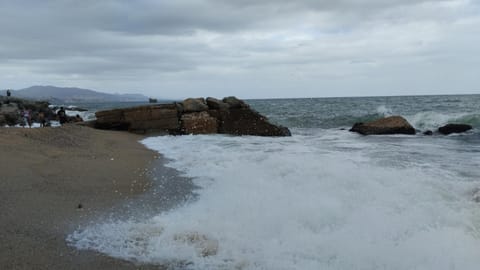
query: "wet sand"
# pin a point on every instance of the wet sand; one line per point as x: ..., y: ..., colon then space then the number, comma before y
x: 53, y: 180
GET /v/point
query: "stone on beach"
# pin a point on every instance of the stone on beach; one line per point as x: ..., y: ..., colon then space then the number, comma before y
x: 454, y: 128
x: 384, y: 126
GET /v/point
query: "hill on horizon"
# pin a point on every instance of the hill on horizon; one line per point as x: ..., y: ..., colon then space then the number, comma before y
x: 72, y: 95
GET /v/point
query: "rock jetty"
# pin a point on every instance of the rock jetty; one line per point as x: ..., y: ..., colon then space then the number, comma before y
x: 192, y: 116
x: 383, y: 126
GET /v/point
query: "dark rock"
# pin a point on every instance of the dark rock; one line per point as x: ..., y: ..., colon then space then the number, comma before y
x: 234, y: 103
x: 245, y: 121
x: 199, y: 123
x: 428, y: 133
x: 383, y: 126
x: 454, y: 128
x: 216, y: 104
x: 194, y: 105
x: 153, y: 118
x: 234, y: 118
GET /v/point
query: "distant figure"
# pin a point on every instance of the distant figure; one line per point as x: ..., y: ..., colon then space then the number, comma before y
x: 27, y: 117
x: 41, y: 119
x: 62, y: 116
x: 78, y: 118
x: 8, y: 95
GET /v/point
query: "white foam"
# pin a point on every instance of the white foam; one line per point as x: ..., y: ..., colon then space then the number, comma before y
x: 323, y: 201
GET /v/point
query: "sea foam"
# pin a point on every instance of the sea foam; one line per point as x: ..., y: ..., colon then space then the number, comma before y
x: 328, y: 200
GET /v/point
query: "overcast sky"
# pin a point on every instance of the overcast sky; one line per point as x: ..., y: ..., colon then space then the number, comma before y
x: 247, y: 48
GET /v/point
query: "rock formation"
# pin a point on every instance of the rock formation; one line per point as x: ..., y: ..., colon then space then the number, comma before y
x: 11, y: 109
x: 387, y: 125
x: 192, y: 116
x: 454, y: 128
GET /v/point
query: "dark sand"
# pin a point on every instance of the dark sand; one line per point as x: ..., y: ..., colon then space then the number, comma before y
x: 46, y: 173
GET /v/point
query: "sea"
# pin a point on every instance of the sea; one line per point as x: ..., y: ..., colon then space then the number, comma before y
x: 324, y: 198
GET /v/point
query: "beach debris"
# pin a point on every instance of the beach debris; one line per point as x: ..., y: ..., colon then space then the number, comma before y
x: 454, y: 128
x: 388, y: 125
x: 204, y: 245
x: 192, y: 116
x: 79, y: 206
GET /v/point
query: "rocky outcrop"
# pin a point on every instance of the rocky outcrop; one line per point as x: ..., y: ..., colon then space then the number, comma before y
x: 454, y: 128
x: 383, y: 126
x: 11, y: 110
x: 192, y: 116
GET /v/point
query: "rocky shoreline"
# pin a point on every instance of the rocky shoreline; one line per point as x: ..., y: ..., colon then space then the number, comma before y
x: 192, y: 116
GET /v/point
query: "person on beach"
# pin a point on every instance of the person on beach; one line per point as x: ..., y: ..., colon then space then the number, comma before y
x: 27, y: 117
x: 8, y: 97
x: 62, y: 116
x: 41, y: 119
x: 78, y: 118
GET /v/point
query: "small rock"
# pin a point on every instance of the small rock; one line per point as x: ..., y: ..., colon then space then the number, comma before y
x: 428, y: 133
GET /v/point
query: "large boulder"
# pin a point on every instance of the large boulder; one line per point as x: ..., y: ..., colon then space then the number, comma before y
x: 383, y: 126
x: 454, y: 128
x: 235, y: 103
x: 216, y: 104
x: 245, y: 121
x: 194, y: 105
x: 199, y: 123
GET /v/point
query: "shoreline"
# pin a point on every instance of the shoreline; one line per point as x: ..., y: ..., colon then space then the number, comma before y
x: 55, y: 180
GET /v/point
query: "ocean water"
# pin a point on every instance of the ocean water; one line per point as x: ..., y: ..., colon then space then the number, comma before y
x: 324, y: 198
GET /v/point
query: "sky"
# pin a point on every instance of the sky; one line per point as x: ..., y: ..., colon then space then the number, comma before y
x: 246, y: 48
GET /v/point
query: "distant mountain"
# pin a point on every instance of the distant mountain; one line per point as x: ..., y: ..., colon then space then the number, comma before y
x: 72, y: 95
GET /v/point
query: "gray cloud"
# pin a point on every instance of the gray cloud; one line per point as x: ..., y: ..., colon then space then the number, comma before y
x: 246, y: 48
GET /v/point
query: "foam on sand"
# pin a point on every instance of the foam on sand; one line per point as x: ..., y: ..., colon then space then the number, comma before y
x: 314, y: 201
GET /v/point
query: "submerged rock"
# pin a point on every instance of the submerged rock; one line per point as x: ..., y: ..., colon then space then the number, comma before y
x: 428, y: 133
x: 384, y: 126
x: 454, y: 128
x: 205, y: 246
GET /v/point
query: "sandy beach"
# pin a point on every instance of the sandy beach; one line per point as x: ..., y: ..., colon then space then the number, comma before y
x: 52, y: 180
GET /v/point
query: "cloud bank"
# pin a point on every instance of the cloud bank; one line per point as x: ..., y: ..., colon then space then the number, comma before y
x: 251, y: 49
